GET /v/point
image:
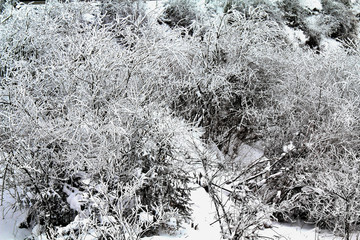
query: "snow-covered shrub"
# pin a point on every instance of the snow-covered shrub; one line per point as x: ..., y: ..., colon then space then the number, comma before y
x: 342, y: 20
x: 312, y: 128
x: 132, y: 11
x: 240, y: 210
x: 3, y: 4
x: 180, y: 13
x: 334, y: 19
x: 270, y: 9
x: 231, y: 85
x: 297, y: 16
x: 293, y: 12
x: 85, y: 140
x: 124, y: 18
x: 333, y: 196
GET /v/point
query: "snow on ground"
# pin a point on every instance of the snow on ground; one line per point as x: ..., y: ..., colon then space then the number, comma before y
x: 8, y: 226
x: 298, y: 231
x: 10, y: 220
x: 356, y: 6
x: 204, y: 215
x: 330, y: 45
x: 203, y: 221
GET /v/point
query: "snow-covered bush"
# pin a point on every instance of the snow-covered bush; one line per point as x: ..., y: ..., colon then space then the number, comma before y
x: 86, y: 142
x: 93, y: 99
x: 314, y: 127
x: 180, y: 13
x: 299, y: 17
x: 294, y: 13
x: 240, y: 210
x: 342, y: 20
x: 247, y: 7
x: 331, y: 18
x: 230, y: 83
x: 333, y: 197
x: 130, y: 11
x: 3, y: 4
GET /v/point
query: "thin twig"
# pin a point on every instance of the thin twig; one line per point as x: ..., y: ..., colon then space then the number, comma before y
x: 3, y: 185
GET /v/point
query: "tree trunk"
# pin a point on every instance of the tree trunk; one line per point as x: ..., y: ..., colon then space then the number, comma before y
x: 347, y: 222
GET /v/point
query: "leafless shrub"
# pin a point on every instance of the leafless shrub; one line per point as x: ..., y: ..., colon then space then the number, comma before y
x: 84, y: 138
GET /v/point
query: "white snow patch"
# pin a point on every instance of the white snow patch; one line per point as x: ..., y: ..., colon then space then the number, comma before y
x: 36, y: 231
x: 311, y: 4
x: 289, y: 147
x: 356, y: 6
x: 154, y: 8
x: 89, y: 17
x: 328, y: 44
x: 296, y: 36
x: 9, y: 220
x: 247, y: 154
x: 86, y: 181
x: 75, y: 198
x: 9, y: 225
x: 146, y: 217
x: 203, y: 216
x: 204, y: 221
x: 298, y: 231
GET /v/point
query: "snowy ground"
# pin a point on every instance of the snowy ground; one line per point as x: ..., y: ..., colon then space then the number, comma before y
x: 9, y: 220
x: 204, y: 223
x: 204, y: 213
x: 8, y: 226
x: 203, y: 217
x: 299, y: 231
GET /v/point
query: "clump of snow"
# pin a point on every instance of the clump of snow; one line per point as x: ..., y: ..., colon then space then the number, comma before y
x: 243, y: 154
x: 36, y: 231
x: 86, y: 181
x: 93, y: 13
x: 320, y: 24
x: 89, y: 17
x: 146, y: 217
x: 289, y: 147
x: 311, y: 4
x: 296, y: 36
x: 328, y: 44
x: 356, y: 6
x: 75, y: 198
x: 172, y: 226
x: 274, y: 1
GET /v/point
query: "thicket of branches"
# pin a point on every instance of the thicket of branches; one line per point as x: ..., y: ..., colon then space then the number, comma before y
x: 102, y: 115
x: 85, y: 138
